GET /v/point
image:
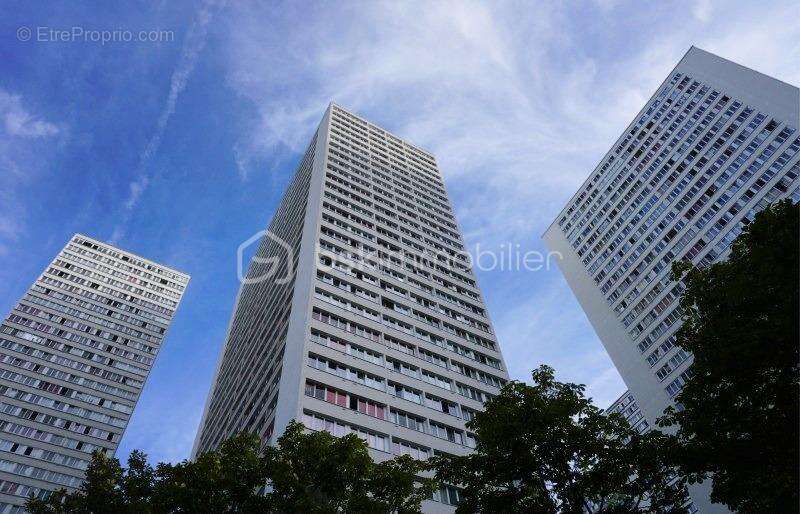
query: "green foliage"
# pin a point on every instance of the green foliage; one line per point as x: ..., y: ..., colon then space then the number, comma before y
x: 100, y: 493
x: 226, y: 480
x: 320, y: 473
x: 305, y: 472
x: 137, y: 483
x: 740, y: 418
x: 396, y: 484
x: 59, y: 502
x: 545, y: 448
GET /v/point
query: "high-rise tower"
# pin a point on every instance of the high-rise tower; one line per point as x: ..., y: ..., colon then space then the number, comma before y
x: 74, y: 355
x: 716, y: 143
x: 360, y: 312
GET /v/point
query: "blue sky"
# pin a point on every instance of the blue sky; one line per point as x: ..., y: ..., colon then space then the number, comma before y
x: 179, y: 150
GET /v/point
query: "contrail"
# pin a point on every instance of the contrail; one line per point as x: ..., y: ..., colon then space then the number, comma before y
x: 193, y: 46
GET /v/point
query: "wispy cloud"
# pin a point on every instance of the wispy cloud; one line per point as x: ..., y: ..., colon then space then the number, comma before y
x: 23, y: 136
x: 193, y: 45
x: 18, y: 122
x: 702, y: 10
x: 521, y: 98
x: 549, y: 328
x: 517, y: 103
x: 137, y: 187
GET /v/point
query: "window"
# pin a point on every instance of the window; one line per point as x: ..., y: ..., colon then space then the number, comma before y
x: 368, y: 407
x: 345, y: 325
x: 436, y: 380
x: 400, y: 346
x: 337, y: 428
x: 433, y: 358
x: 346, y: 347
x: 345, y: 372
x: 403, y: 368
x: 415, y: 451
x: 471, y: 392
x: 676, y: 385
x: 467, y: 414
x: 407, y: 420
x: 471, y: 441
x: 342, y: 399
x: 442, y: 405
x: 445, y: 432
x: 405, y: 393
x: 447, y: 494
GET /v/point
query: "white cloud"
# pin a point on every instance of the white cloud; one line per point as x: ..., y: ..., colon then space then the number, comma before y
x: 9, y: 227
x: 136, y: 187
x: 702, y: 10
x: 19, y: 122
x: 487, y: 91
x: 193, y: 46
x: 550, y: 328
x: 518, y: 102
x: 765, y: 41
x: 23, y: 140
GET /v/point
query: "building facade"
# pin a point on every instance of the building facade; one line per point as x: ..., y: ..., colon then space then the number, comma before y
x: 627, y: 406
x: 74, y: 355
x: 360, y: 312
x: 716, y: 143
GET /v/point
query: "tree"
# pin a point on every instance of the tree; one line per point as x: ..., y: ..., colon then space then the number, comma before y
x: 319, y: 473
x: 58, y: 502
x: 101, y: 492
x: 229, y: 479
x: 137, y: 483
x: 397, y: 485
x: 545, y: 448
x: 306, y: 472
x: 739, y: 418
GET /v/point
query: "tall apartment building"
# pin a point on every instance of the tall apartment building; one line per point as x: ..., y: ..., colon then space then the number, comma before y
x: 627, y: 406
x: 74, y: 355
x: 373, y: 323
x: 716, y: 143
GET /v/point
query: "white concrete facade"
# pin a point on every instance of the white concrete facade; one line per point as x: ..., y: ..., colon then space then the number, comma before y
x: 716, y: 143
x: 381, y: 330
x: 628, y: 407
x: 75, y: 353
